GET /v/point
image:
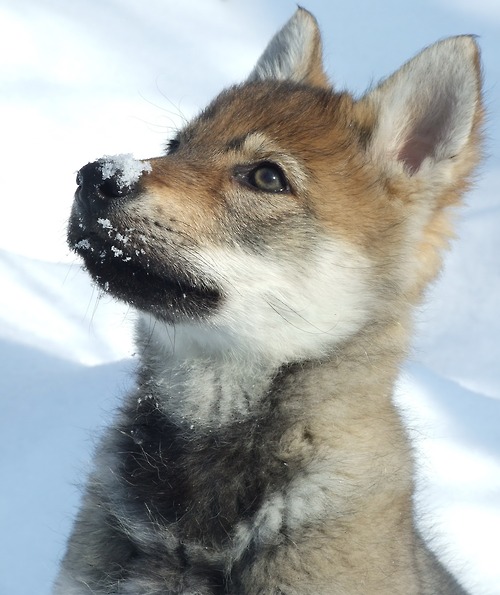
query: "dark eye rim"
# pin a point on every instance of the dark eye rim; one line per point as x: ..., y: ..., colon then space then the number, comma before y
x: 245, y: 173
x: 172, y: 146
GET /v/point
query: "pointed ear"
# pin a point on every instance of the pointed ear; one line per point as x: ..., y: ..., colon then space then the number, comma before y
x: 425, y: 118
x: 294, y: 53
x: 422, y: 129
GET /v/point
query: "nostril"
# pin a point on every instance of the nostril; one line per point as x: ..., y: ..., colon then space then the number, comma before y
x: 90, y: 176
x: 95, y: 180
x: 113, y: 187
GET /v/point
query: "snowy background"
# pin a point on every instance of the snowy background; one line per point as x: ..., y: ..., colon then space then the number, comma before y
x: 85, y: 78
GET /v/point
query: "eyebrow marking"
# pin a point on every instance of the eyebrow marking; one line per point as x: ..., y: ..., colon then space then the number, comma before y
x: 253, y: 141
x: 237, y: 143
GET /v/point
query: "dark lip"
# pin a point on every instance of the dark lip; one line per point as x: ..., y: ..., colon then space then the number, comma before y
x: 140, y: 280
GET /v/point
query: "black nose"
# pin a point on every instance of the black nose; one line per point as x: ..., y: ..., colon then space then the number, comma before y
x: 93, y: 179
x: 100, y: 185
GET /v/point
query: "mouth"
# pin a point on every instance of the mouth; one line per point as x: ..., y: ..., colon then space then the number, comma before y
x: 158, y: 283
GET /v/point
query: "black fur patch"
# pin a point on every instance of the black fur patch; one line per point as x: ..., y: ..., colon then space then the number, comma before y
x: 202, y: 483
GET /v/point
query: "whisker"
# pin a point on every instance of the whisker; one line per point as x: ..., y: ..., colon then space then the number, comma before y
x: 284, y: 305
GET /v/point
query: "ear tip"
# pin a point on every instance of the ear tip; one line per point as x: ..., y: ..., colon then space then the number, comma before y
x: 305, y: 17
x: 471, y: 42
x: 466, y: 44
x: 304, y: 13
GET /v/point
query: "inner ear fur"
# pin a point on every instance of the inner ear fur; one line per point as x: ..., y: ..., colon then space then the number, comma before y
x: 425, y: 118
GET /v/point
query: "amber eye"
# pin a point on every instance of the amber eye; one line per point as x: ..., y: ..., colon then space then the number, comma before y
x: 268, y: 177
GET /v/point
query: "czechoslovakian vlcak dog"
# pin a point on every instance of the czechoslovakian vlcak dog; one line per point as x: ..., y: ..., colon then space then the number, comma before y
x: 274, y: 255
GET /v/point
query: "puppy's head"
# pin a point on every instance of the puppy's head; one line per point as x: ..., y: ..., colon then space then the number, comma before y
x: 287, y: 215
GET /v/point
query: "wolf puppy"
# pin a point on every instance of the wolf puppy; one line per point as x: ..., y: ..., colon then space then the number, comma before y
x: 274, y: 255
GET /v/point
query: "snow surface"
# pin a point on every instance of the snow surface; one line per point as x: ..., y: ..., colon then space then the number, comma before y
x: 88, y: 78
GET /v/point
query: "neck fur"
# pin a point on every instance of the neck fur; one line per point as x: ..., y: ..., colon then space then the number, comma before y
x: 204, y: 381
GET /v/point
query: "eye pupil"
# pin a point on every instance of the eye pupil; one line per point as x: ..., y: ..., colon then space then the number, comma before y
x: 268, y: 178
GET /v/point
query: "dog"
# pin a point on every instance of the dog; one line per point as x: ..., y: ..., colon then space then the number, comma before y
x: 274, y: 255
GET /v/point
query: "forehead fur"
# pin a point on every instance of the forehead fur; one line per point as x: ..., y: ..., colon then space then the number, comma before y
x: 297, y: 117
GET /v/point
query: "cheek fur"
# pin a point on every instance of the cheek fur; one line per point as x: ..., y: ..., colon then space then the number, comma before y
x: 292, y: 309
